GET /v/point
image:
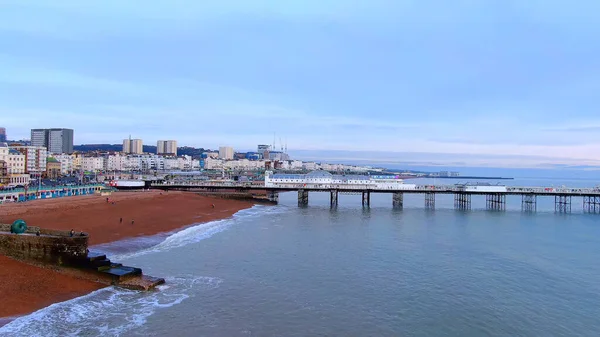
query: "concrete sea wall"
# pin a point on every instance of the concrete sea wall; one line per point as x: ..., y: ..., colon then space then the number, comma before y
x: 51, y: 246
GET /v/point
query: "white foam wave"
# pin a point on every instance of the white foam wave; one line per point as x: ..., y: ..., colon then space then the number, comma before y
x: 201, y: 231
x: 109, y: 311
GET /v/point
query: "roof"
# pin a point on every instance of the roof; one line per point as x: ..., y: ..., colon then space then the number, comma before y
x: 351, y: 177
x: 288, y: 176
x: 319, y: 174
x: 52, y: 160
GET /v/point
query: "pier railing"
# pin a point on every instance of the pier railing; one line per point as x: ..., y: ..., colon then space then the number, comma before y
x: 408, y: 188
x: 46, y: 188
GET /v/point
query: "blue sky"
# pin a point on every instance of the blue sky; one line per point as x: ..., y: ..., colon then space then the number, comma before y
x: 480, y: 82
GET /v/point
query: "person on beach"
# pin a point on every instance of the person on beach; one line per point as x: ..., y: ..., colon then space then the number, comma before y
x: 72, y: 233
x: 132, y: 221
x: 213, y: 205
x: 120, y: 220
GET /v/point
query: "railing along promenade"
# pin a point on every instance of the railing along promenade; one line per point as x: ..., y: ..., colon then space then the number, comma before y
x: 495, y: 199
x: 46, y: 192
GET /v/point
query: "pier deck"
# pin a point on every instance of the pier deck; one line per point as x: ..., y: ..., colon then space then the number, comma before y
x: 495, y: 198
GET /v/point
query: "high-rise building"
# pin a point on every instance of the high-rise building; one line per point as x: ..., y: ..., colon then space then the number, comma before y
x: 55, y: 140
x: 2, y: 135
x: 225, y: 152
x: 39, y: 137
x: 166, y: 147
x: 133, y: 146
x: 35, y: 158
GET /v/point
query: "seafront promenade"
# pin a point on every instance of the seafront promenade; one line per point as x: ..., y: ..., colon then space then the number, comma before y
x: 47, y: 192
x: 495, y: 194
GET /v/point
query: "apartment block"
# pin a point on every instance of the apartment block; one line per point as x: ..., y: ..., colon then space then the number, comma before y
x: 166, y: 147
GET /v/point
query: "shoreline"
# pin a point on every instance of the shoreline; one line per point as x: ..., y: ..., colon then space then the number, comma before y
x: 31, y: 287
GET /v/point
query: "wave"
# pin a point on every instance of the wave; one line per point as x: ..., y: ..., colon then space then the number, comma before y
x: 110, y: 311
x: 199, y: 232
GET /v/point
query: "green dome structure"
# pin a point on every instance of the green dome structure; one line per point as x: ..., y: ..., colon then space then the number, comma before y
x: 18, y: 227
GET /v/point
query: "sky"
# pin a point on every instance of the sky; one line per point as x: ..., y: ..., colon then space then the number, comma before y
x: 497, y: 82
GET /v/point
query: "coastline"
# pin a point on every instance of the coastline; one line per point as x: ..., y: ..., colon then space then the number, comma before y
x: 30, y: 288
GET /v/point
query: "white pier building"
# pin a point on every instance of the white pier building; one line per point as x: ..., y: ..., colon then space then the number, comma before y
x: 326, y: 180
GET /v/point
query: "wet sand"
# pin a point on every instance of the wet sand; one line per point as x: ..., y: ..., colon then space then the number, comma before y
x: 26, y: 288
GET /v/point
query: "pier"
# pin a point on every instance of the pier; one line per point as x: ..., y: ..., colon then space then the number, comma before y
x: 495, y: 196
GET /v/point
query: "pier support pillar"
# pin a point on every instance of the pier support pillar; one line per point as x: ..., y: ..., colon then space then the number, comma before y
x: 333, y: 200
x: 302, y: 198
x: 562, y: 203
x: 462, y: 201
x: 529, y: 202
x: 273, y: 196
x: 430, y: 200
x: 496, y: 201
x: 591, y: 203
x: 398, y: 200
x: 366, y: 199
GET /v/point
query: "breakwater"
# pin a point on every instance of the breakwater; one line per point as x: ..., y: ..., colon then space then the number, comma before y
x: 44, y: 245
x: 69, y: 252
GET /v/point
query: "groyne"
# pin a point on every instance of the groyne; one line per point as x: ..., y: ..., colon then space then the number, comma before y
x: 44, y: 245
x: 68, y: 252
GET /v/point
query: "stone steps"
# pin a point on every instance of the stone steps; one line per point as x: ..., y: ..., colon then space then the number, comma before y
x: 118, y: 274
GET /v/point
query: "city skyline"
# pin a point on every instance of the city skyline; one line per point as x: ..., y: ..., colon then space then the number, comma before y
x: 478, y: 82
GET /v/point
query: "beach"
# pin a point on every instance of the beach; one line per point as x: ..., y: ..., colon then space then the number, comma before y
x: 26, y: 288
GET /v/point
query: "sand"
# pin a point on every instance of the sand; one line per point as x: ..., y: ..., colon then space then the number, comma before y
x: 25, y: 288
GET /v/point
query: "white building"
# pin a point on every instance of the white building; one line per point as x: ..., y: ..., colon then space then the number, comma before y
x: 92, y: 164
x: 35, y: 158
x: 310, y: 166
x: 15, y: 165
x: 324, y: 179
x: 213, y: 164
x: 67, y: 165
x: 116, y: 162
x: 226, y: 152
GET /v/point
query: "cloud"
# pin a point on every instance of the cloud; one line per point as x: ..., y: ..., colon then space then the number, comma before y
x: 463, y: 78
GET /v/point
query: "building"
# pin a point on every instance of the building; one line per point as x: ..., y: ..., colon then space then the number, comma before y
x: 226, y: 152
x: 60, y: 141
x: 2, y: 135
x: 35, y: 158
x: 66, y: 163
x: 212, y: 154
x: 92, y: 164
x: 168, y: 147
x: 39, y: 137
x: 324, y: 179
x: 55, y: 140
x: 277, y: 155
x: 14, y: 163
x: 53, y: 168
x: 4, y: 177
x: 133, y: 146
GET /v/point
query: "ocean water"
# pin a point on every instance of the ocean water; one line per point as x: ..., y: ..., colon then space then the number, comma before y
x: 353, y: 271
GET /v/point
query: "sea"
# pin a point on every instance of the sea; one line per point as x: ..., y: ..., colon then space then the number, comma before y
x: 353, y: 271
